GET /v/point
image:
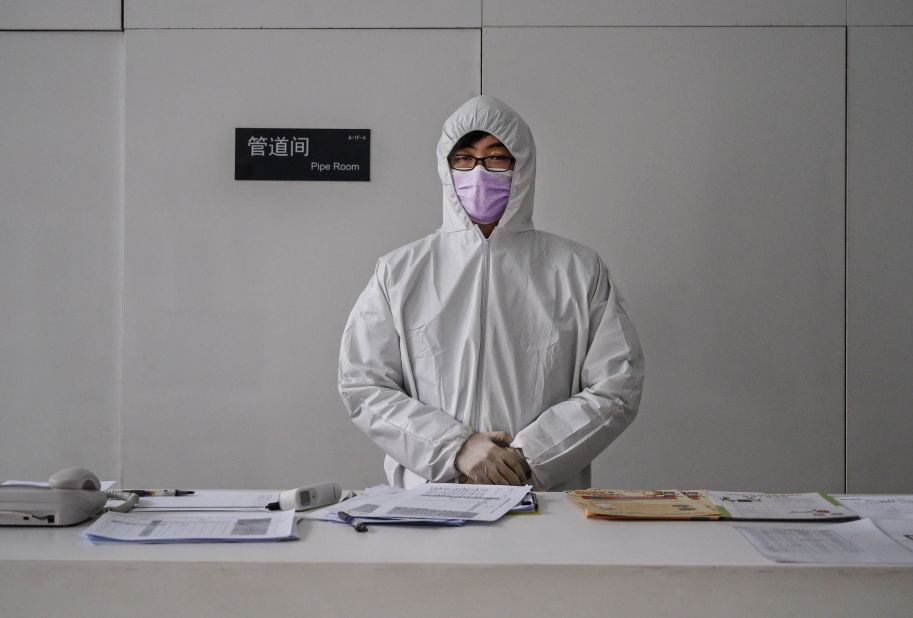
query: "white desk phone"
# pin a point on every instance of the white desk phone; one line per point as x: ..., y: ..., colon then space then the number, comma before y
x: 74, y: 494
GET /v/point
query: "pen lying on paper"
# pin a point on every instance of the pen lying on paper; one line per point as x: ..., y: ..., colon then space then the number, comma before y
x: 160, y: 492
x: 359, y: 526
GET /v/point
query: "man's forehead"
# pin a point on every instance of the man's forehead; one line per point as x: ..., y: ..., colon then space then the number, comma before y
x: 495, y: 143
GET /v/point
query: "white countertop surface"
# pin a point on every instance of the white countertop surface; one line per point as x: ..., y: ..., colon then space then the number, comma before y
x: 558, y: 535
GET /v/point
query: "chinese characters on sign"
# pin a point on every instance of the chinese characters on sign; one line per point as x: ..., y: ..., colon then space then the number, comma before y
x: 277, y: 146
x: 302, y: 154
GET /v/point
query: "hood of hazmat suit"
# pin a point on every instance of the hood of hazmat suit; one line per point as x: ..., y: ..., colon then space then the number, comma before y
x: 522, y: 332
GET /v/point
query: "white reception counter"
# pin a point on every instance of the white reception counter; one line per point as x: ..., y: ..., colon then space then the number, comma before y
x: 556, y: 563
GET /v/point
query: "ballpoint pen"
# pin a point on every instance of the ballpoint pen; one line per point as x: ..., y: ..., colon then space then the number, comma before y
x: 359, y: 526
x: 160, y: 492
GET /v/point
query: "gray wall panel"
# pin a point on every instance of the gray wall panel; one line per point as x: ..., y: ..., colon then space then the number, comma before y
x: 60, y: 15
x: 879, y: 12
x: 61, y: 181
x: 664, y: 13
x: 302, y: 14
x: 237, y: 292
x: 880, y: 260
x: 706, y: 166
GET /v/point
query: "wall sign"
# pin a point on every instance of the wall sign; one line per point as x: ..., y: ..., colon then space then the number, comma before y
x: 303, y: 154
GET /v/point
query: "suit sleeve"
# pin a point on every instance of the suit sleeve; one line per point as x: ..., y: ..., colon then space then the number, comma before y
x: 566, y: 437
x: 422, y: 438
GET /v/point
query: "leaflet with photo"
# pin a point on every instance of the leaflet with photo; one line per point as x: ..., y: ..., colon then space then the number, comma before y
x: 673, y: 504
x: 756, y: 506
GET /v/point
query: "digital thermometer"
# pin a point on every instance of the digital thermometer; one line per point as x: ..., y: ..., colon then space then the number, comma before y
x: 308, y: 497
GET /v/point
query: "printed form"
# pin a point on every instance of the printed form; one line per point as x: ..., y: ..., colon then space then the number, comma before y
x: 891, y: 506
x: 855, y: 542
x: 433, y: 502
x: 454, y: 501
x: 199, y: 527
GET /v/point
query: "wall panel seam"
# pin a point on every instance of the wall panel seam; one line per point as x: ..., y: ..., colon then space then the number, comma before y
x: 90, y: 31
x: 122, y: 353
x: 846, y: 152
x: 618, y: 26
x: 271, y: 28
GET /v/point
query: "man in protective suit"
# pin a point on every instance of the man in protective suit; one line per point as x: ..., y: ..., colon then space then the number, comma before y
x: 489, y: 351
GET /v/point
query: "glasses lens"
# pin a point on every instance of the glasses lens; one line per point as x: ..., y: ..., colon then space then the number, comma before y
x: 498, y: 164
x: 462, y: 162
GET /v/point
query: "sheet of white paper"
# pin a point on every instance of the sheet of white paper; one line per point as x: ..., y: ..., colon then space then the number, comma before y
x: 453, y: 501
x: 901, y: 530
x: 197, y: 527
x: 854, y: 542
x: 754, y: 505
x: 209, y: 500
x: 448, y: 503
x: 361, y: 505
x: 879, y: 507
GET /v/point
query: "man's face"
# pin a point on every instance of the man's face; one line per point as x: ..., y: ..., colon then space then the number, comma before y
x: 487, y: 146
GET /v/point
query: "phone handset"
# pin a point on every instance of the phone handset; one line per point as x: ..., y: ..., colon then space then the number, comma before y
x: 77, y: 477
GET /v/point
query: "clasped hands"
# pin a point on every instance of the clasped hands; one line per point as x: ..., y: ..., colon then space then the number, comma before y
x: 487, y: 458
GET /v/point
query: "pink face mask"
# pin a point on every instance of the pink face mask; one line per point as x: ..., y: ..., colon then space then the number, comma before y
x: 482, y: 194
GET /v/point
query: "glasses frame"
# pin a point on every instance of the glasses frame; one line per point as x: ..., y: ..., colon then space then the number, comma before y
x: 482, y: 160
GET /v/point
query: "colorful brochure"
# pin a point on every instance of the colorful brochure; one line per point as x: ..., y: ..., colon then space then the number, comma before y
x: 665, y: 504
x: 755, y: 506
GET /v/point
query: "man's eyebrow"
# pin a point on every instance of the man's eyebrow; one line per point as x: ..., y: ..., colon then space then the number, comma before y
x: 489, y: 147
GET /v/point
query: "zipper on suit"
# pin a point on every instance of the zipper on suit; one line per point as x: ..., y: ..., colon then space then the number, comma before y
x: 483, y: 309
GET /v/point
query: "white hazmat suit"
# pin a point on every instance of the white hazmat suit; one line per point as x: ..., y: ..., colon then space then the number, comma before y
x: 522, y: 332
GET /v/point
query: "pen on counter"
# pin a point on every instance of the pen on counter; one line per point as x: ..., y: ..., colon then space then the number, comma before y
x: 359, y: 526
x: 161, y: 492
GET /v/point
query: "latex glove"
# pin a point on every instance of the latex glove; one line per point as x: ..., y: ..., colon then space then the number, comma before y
x: 486, y: 458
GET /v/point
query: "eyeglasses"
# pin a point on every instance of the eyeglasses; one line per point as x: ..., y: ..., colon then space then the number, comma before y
x: 495, y: 163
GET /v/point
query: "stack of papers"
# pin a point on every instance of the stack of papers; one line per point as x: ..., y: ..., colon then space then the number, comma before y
x: 644, y: 504
x: 193, y: 527
x: 885, y: 536
x: 433, y: 503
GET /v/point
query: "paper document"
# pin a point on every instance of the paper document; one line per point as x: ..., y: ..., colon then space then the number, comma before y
x: 901, y: 530
x: 879, y: 507
x: 209, y: 500
x: 368, y: 502
x: 855, y: 542
x: 644, y: 503
x: 454, y: 501
x: 198, y: 527
x: 432, y: 502
x: 779, y: 507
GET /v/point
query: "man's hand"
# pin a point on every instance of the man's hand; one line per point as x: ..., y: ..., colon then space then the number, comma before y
x: 487, y: 458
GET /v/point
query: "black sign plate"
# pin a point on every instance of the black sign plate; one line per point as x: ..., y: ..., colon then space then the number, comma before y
x: 303, y: 154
